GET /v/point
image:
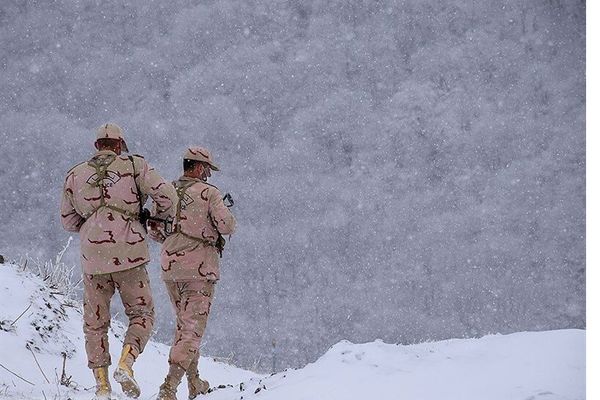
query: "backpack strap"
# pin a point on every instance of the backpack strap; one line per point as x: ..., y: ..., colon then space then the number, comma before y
x: 137, y: 187
x: 101, y: 169
x: 181, y: 189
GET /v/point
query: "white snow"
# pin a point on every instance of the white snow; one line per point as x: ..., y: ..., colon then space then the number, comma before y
x: 59, y: 322
x: 522, y: 366
x: 525, y: 366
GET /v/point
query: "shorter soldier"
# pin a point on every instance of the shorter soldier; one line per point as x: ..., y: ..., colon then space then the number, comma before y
x: 190, y: 266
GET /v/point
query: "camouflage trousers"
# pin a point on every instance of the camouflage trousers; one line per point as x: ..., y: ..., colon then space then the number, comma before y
x: 134, y: 288
x: 191, y: 302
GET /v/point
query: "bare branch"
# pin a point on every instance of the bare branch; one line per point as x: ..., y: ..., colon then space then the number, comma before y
x: 15, y: 321
x: 18, y: 376
x: 38, y: 364
x: 64, y: 379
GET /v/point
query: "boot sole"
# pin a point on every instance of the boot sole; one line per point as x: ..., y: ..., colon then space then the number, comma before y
x: 128, y: 385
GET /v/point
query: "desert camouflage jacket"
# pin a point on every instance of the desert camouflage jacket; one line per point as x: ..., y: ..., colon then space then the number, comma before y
x: 189, y: 253
x: 100, y: 201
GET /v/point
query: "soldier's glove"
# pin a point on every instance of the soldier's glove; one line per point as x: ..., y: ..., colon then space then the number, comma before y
x: 228, y: 200
x: 220, y: 245
x: 144, y: 216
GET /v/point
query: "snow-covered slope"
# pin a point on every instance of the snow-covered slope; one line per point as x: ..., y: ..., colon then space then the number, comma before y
x: 521, y: 366
x: 52, y: 326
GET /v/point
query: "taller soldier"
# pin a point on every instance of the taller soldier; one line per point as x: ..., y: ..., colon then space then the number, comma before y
x: 101, y: 200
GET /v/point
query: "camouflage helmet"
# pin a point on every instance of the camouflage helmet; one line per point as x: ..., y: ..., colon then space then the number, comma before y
x: 198, y: 153
x: 111, y: 131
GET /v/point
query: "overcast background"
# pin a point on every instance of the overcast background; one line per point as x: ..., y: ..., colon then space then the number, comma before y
x: 402, y: 170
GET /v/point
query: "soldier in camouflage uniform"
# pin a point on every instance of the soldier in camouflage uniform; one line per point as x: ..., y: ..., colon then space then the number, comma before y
x: 101, y: 200
x: 190, y: 266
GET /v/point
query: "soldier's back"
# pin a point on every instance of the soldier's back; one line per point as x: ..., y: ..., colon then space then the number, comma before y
x: 104, y: 193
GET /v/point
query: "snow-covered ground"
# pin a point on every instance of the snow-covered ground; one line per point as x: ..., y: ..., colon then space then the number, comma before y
x: 53, y: 326
x: 521, y: 366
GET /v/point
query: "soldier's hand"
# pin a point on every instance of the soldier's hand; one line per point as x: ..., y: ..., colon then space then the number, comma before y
x: 155, y: 234
x: 220, y: 244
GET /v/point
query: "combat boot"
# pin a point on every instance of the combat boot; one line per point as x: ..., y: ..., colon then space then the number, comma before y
x: 103, y: 390
x: 124, y: 373
x: 196, y: 386
x: 168, y: 390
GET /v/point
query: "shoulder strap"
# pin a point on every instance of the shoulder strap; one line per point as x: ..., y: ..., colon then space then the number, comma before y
x: 180, y: 189
x: 101, y: 172
x: 137, y: 188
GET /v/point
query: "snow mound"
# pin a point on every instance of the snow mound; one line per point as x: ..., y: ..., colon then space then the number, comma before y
x: 39, y: 325
x: 521, y: 366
